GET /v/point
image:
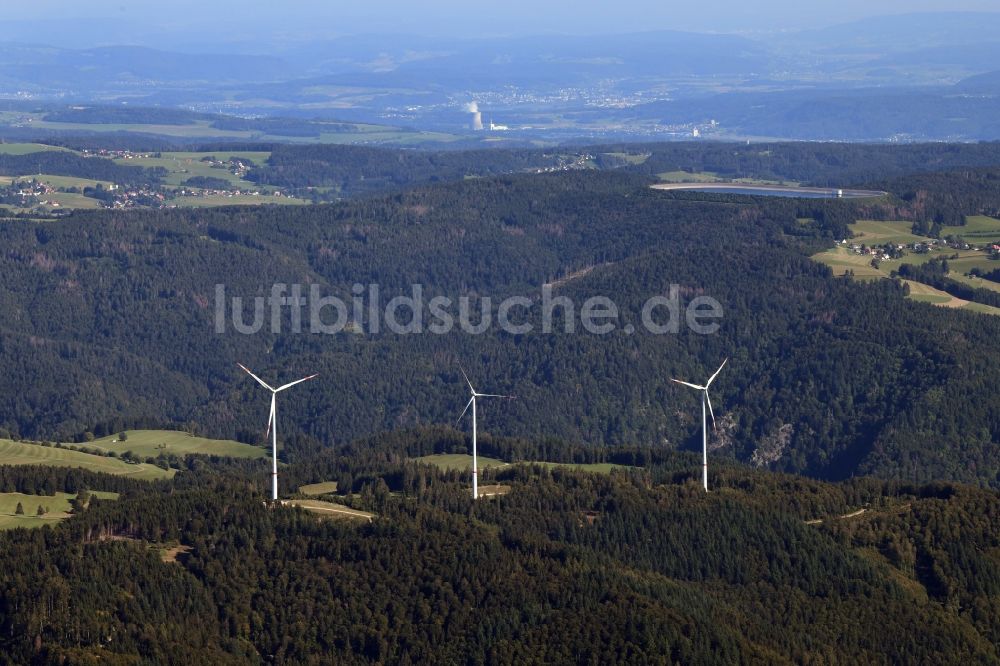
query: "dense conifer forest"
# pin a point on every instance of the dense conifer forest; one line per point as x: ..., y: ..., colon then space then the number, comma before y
x: 639, y: 566
x: 853, y: 515
x: 111, y: 323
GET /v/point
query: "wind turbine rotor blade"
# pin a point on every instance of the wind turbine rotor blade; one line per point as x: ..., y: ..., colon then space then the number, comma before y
x: 709, y: 401
x: 270, y: 420
x: 467, y: 405
x: 712, y: 378
x: 297, y: 381
x: 694, y: 386
x: 259, y: 380
x: 462, y: 370
x: 494, y: 395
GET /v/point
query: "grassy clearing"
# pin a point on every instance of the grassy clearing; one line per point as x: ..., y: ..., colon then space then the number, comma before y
x: 68, y: 181
x: 57, y: 508
x: 181, y: 166
x: 169, y: 555
x: 75, y: 201
x: 21, y: 453
x: 147, y: 443
x: 927, y: 294
x: 688, y: 177
x: 959, y: 275
x: 322, y: 488
x: 202, y: 129
x: 712, y: 177
x: 26, y: 148
x: 198, y: 129
x: 631, y: 158
x: 982, y: 309
x: 872, y: 232
x: 976, y: 228
x: 842, y: 260
x: 459, y: 461
x: 875, y: 232
x: 596, y: 468
x: 258, y: 157
x: 330, y: 510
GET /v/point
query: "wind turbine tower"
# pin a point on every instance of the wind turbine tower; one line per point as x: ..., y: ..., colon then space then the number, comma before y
x: 705, y: 400
x: 472, y: 403
x: 272, y: 423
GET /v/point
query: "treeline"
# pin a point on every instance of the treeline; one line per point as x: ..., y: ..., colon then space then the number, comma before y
x: 63, y: 163
x: 936, y: 200
x: 44, y: 480
x: 568, y: 567
x: 935, y: 274
x: 208, y: 182
x: 120, y: 115
x: 992, y: 276
x: 805, y: 349
x: 358, y: 169
x: 291, y: 127
x: 821, y: 165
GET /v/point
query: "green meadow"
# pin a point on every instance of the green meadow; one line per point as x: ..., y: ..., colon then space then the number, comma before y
x: 462, y: 461
x: 57, y: 508
x: 842, y: 259
x: 22, y: 453
x: 151, y: 443
x: 459, y: 461
x: 25, y: 148
x: 184, y: 165
x: 322, y: 488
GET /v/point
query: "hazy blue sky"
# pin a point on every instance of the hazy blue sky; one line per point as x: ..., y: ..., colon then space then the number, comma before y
x: 492, y: 17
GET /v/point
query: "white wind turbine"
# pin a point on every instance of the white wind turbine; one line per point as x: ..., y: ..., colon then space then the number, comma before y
x: 472, y: 401
x: 705, y: 400
x: 272, y: 423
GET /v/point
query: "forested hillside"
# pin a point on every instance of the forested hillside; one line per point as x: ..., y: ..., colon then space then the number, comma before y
x: 65, y: 163
x: 110, y: 322
x: 638, y: 566
x: 121, y: 319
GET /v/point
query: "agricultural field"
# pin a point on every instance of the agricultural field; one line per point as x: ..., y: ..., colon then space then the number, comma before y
x: 203, y: 129
x: 67, y: 200
x: 67, y: 182
x: 977, y: 229
x: 459, y: 461
x: 927, y: 294
x: 630, y: 158
x: 876, y: 232
x: 151, y: 443
x: 57, y: 508
x: 233, y: 189
x: 25, y: 148
x: 183, y: 165
x: 842, y: 259
x: 22, y: 453
x: 688, y: 177
x: 712, y: 177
